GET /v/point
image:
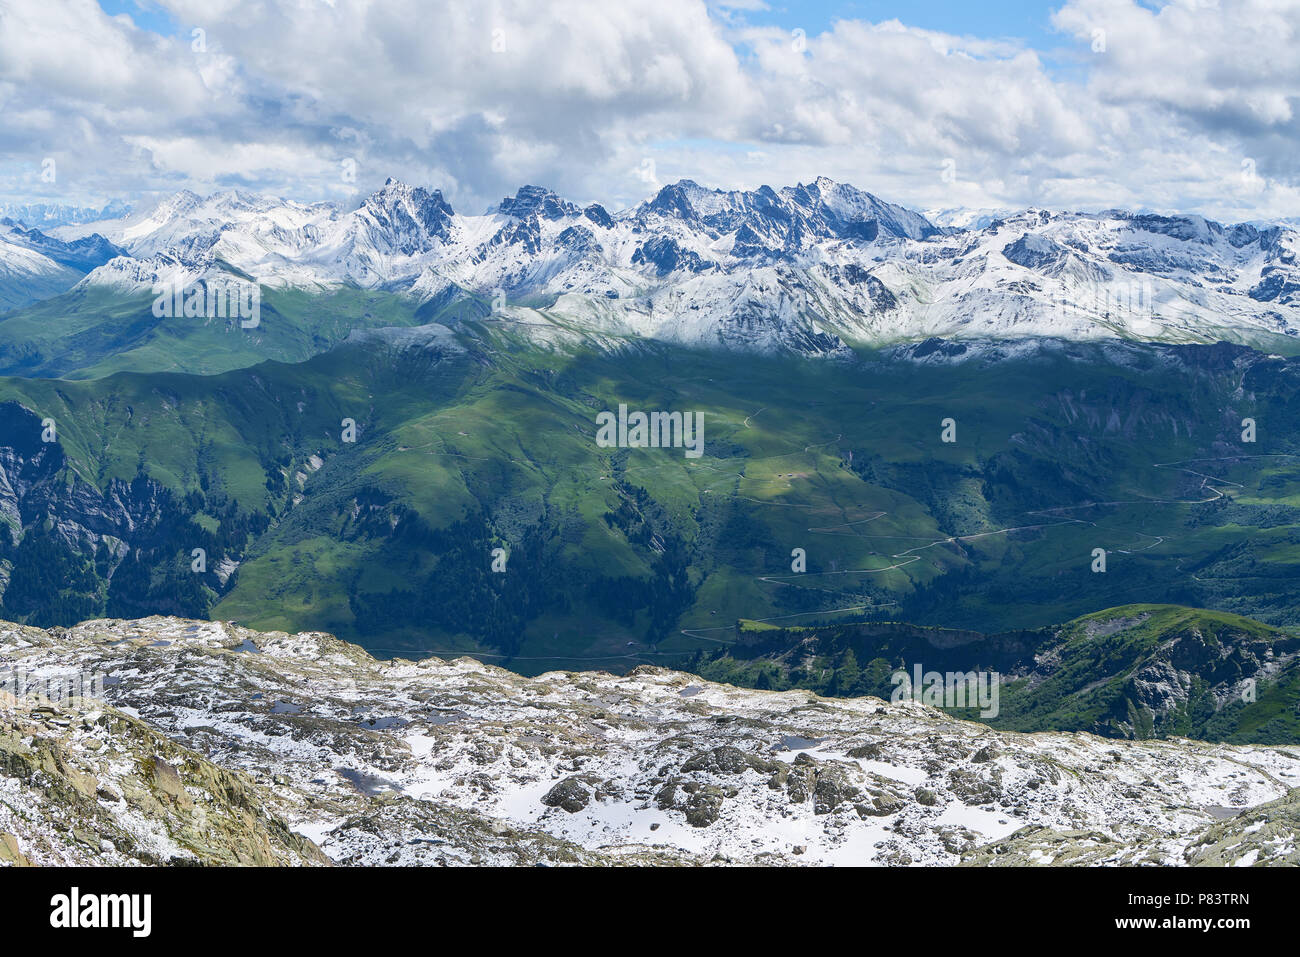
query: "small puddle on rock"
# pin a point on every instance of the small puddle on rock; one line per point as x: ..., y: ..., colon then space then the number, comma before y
x: 793, y: 742
x: 690, y: 691
x: 370, y: 785
x: 383, y: 724
x: 247, y: 645
x: 285, y: 707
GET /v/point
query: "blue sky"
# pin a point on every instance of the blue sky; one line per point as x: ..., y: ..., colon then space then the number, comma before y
x: 1185, y: 105
x: 147, y: 15
x: 1027, y: 20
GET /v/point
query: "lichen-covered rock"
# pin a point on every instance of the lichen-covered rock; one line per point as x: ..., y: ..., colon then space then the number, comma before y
x: 1264, y: 835
x: 723, y: 760
x: 569, y: 795
x: 11, y: 852
x: 1045, y: 845
x: 700, y: 803
x: 166, y: 780
x: 886, y: 804
x: 125, y: 801
x: 832, y: 788
x: 704, y: 806
x: 971, y: 788
x: 872, y: 751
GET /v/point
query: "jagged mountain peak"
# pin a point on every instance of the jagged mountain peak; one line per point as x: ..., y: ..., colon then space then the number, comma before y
x: 176, y: 203
x: 692, y: 264
x: 689, y: 200
x: 415, y: 199
x: 238, y: 199
x: 773, y: 219
x: 405, y: 219
x: 537, y: 201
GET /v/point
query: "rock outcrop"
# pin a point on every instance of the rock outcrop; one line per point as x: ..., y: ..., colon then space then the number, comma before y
x: 214, y: 744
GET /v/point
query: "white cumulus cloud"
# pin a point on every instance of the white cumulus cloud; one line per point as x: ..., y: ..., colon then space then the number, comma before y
x: 1186, y: 106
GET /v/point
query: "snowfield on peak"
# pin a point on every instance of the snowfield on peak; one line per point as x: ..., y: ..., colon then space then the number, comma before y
x: 813, y: 269
x: 35, y: 266
x: 27, y: 275
x: 210, y: 739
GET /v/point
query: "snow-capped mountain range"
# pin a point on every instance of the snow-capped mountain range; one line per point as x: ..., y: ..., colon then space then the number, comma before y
x: 47, y: 215
x: 813, y: 268
x: 35, y: 266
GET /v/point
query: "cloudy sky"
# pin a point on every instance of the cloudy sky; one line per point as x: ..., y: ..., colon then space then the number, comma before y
x: 1084, y: 104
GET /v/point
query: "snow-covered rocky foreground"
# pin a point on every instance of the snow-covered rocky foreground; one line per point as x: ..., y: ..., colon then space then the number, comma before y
x: 226, y: 745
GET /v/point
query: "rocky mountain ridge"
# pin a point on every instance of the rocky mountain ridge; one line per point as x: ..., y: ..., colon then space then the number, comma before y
x: 35, y: 266
x: 813, y: 269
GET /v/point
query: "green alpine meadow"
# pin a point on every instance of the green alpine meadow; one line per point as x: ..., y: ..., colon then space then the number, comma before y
x: 440, y: 489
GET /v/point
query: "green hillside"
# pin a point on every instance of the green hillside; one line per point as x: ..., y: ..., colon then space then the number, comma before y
x: 93, y: 332
x: 1137, y: 671
x: 475, y: 438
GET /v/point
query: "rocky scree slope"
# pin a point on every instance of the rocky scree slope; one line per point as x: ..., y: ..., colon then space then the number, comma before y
x: 216, y: 744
